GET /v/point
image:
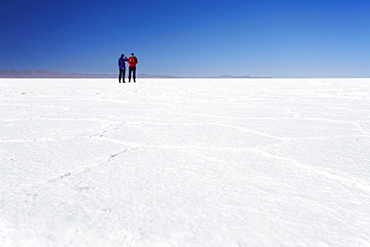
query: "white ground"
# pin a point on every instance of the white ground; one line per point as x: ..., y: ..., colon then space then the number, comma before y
x: 185, y: 162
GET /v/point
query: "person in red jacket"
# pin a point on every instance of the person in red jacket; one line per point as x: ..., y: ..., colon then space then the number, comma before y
x: 132, y: 61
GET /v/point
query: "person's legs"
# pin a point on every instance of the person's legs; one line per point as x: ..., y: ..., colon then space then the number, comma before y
x: 121, y: 74
x: 129, y: 73
x: 134, y: 73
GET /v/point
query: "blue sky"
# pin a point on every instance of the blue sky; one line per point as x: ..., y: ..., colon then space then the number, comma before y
x: 300, y: 38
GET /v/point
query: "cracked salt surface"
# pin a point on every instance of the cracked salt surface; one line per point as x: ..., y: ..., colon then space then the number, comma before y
x: 185, y: 162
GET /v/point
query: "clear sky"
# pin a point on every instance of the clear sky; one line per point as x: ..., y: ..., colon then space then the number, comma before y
x: 286, y: 38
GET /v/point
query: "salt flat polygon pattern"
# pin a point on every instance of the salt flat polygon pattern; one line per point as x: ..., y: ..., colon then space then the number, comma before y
x: 185, y: 162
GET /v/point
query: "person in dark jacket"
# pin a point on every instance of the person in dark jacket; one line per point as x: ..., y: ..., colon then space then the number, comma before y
x: 132, y: 61
x: 122, y: 68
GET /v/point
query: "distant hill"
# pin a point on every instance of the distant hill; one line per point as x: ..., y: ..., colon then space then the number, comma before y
x: 45, y: 73
x: 231, y: 76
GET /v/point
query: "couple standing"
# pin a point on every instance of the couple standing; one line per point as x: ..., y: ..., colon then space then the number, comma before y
x: 132, y: 61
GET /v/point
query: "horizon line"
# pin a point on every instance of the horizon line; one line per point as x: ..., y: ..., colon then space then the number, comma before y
x: 46, y: 73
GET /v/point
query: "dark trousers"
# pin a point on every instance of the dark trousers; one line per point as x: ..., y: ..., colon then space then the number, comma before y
x: 132, y: 70
x: 122, y: 73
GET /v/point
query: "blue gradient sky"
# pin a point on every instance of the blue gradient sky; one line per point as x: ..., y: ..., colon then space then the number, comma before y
x: 298, y: 38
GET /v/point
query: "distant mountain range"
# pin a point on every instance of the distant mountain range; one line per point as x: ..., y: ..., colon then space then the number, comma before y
x: 45, y: 73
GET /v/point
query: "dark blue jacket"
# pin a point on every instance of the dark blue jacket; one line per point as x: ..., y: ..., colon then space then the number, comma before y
x: 121, y: 62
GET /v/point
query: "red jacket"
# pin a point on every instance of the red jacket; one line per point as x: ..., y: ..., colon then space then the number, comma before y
x: 132, y: 61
